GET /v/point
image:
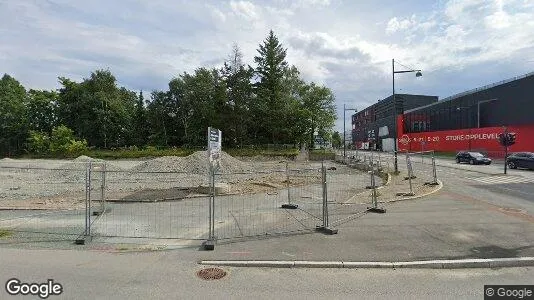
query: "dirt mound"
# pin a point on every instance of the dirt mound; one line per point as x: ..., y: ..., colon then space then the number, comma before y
x: 80, y: 163
x: 84, y: 158
x: 196, y: 163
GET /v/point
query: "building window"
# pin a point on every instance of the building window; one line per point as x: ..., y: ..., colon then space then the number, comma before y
x: 416, y: 127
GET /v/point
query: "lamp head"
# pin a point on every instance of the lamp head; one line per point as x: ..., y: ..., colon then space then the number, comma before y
x: 418, y: 74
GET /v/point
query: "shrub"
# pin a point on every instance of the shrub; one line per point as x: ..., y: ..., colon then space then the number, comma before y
x: 38, y: 142
x: 61, y: 138
x: 62, y: 142
x: 77, y: 148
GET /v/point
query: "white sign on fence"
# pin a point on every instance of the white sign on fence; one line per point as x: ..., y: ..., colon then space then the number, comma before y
x: 214, y: 148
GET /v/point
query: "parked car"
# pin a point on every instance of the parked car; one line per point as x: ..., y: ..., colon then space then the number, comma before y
x: 521, y: 160
x: 473, y: 158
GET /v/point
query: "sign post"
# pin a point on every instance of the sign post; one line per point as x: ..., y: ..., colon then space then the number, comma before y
x: 214, y: 148
x: 214, y: 161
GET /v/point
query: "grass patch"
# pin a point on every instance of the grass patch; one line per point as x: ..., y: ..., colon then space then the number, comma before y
x: 138, y: 153
x: 247, y: 152
x: 129, y: 153
x: 318, y: 154
x: 5, y: 233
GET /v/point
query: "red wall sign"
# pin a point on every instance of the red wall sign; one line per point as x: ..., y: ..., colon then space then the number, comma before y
x: 478, y: 139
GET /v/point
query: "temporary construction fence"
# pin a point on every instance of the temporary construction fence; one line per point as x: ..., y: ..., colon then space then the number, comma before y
x: 47, y: 199
x: 88, y: 199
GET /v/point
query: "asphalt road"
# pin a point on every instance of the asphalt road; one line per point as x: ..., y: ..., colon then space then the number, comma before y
x: 515, y: 189
x: 496, y: 211
x: 170, y: 275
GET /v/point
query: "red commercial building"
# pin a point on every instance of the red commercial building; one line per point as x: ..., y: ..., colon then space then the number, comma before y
x: 472, y: 120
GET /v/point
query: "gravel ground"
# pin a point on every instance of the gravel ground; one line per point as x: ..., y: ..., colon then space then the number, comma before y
x: 60, y: 184
x: 49, y: 196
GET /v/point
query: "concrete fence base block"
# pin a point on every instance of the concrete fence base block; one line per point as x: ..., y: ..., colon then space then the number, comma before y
x: 208, y: 245
x: 290, y: 206
x: 377, y: 210
x: 83, y: 239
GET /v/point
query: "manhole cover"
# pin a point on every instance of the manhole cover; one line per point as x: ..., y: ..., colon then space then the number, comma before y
x: 512, y: 210
x: 211, y: 273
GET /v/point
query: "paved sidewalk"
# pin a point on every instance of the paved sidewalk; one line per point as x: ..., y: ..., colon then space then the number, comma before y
x: 445, y: 225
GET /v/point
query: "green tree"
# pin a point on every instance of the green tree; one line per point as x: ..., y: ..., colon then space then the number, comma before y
x: 296, y: 127
x: 320, y: 110
x: 194, y: 100
x: 269, y: 105
x: 97, y: 109
x: 236, y: 113
x: 337, y: 140
x: 42, y: 106
x: 13, y: 116
x: 161, y: 117
x: 140, y: 124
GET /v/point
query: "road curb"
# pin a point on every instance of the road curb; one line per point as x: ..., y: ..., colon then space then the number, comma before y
x: 468, y: 170
x: 428, y: 264
x: 440, y: 186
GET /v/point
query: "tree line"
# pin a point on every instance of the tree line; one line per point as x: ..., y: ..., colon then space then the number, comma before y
x: 268, y: 103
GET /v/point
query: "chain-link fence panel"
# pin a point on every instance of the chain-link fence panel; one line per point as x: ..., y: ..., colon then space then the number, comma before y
x: 152, y: 205
x: 264, y: 203
x: 43, y: 197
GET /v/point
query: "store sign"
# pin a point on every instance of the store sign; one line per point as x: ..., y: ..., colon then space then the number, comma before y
x: 371, y: 134
x: 486, y: 139
x: 214, y: 148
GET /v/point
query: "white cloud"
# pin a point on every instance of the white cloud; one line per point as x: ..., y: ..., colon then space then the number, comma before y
x: 245, y: 9
x: 331, y: 41
x: 217, y: 14
x: 395, y: 25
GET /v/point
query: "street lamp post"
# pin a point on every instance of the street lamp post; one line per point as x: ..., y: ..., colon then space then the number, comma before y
x: 344, y: 131
x: 417, y: 74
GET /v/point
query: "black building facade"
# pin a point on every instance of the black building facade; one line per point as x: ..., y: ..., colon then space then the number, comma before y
x: 506, y: 103
x: 377, y: 122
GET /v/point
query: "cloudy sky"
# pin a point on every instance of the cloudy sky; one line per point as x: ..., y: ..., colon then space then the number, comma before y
x: 346, y: 45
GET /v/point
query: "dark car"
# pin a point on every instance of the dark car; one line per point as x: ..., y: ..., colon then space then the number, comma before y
x: 473, y: 158
x: 521, y: 160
